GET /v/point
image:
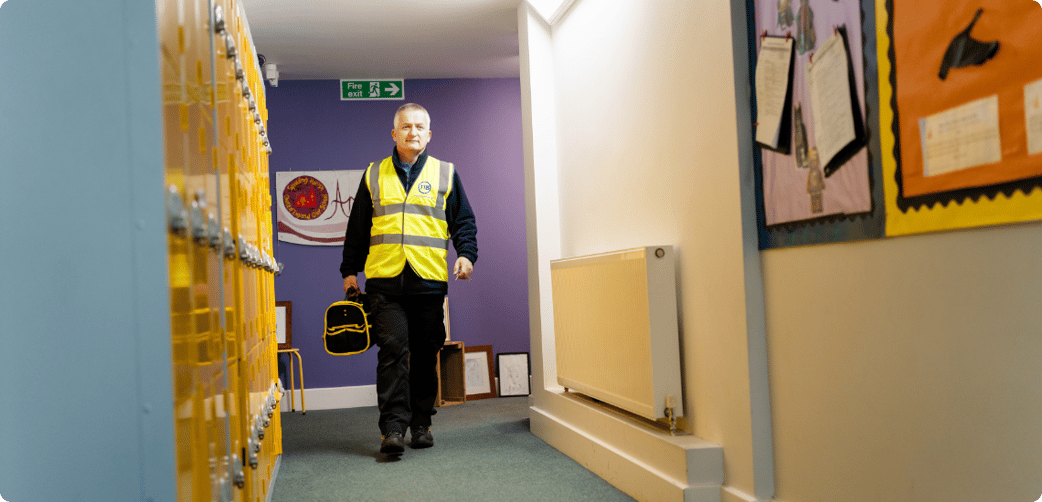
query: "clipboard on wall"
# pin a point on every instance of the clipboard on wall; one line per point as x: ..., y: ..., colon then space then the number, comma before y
x: 773, y: 82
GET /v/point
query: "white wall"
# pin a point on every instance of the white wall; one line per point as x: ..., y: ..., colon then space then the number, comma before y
x: 648, y: 153
x: 904, y: 369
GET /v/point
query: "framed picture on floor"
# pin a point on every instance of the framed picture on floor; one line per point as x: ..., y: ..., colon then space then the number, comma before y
x: 513, y: 369
x: 477, y: 362
x: 284, y: 324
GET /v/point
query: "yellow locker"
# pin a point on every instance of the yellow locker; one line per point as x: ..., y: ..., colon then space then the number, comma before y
x: 220, y: 273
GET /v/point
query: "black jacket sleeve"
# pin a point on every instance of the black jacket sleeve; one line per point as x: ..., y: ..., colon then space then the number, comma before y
x: 463, y: 227
x: 359, y: 227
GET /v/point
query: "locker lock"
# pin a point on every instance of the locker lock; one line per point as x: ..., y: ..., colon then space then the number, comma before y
x: 242, y: 249
x: 256, y: 116
x: 213, y: 231
x: 280, y: 267
x: 239, y: 477
x: 218, y: 19
x: 253, y: 106
x: 254, y: 461
x: 245, y: 90
x: 176, y: 216
x: 258, y: 428
x: 229, y: 244
x: 198, y: 222
x: 229, y: 46
x: 239, y: 73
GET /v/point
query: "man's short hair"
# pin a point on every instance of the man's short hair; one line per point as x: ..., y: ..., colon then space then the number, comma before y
x: 410, y: 107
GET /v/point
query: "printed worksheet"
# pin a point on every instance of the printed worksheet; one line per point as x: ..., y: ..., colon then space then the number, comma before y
x: 962, y: 137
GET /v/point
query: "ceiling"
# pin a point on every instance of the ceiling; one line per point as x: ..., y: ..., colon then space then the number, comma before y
x: 334, y: 39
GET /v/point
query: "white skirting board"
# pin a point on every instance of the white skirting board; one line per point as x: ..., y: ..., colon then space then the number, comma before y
x: 331, y: 398
x: 335, y: 398
x: 647, y: 465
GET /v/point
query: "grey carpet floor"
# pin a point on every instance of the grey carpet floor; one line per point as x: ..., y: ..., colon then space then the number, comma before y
x: 483, y: 451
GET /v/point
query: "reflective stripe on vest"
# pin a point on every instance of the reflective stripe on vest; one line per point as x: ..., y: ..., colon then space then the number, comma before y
x: 409, y: 227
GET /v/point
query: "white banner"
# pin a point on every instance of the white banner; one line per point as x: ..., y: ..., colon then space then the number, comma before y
x: 313, y: 206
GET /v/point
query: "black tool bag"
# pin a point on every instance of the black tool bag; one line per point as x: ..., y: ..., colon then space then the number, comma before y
x: 347, y: 326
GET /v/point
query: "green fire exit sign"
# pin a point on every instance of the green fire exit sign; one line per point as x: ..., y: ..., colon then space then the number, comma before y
x: 364, y: 90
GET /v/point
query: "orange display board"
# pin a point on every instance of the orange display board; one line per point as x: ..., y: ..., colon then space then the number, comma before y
x: 913, y: 39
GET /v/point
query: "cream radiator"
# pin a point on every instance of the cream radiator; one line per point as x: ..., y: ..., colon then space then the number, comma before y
x: 615, y: 324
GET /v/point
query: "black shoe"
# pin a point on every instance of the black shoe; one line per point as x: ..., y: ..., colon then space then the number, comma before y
x: 393, y: 443
x: 421, y: 436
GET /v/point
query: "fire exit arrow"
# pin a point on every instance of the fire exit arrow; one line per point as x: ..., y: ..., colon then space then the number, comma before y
x: 372, y: 89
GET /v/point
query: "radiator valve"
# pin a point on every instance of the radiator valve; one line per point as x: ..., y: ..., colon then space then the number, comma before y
x: 671, y: 414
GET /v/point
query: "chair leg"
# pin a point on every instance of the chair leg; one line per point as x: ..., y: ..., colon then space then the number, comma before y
x: 292, y: 385
x: 300, y: 367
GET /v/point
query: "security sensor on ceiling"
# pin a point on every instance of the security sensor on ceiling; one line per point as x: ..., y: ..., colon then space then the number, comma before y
x: 271, y: 73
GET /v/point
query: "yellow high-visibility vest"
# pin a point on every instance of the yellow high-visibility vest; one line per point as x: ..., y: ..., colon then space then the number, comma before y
x: 409, y: 227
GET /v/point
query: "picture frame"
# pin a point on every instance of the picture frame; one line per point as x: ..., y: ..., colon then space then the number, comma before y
x: 478, y: 372
x: 514, y: 371
x: 284, y: 324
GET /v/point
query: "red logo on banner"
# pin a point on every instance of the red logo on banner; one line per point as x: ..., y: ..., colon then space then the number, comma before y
x: 305, y: 198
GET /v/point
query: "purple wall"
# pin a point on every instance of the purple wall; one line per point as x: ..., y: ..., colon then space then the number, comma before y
x: 476, y: 124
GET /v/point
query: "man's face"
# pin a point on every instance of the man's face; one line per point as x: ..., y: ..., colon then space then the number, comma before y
x: 411, y: 132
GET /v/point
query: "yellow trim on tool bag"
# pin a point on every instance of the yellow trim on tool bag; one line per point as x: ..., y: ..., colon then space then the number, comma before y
x: 356, y: 328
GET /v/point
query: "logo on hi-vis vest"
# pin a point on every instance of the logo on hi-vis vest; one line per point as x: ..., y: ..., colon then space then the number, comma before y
x: 305, y: 198
x: 425, y: 187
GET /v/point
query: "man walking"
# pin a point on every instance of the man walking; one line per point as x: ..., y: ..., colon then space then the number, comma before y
x: 407, y: 208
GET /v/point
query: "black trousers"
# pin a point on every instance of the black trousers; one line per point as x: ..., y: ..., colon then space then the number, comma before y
x: 409, y: 330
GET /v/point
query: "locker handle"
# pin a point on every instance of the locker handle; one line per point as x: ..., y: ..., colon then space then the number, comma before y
x: 198, y: 222
x: 229, y: 46
x: 243, y: 252
x: 176, y: 215
x: 240, y: 477
x: 229, y: 244
x: 213, y: 230
x: 218, y: 19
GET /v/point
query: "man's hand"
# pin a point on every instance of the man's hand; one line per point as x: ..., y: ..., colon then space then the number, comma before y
x: 463, y: 268
x: 350, y: 282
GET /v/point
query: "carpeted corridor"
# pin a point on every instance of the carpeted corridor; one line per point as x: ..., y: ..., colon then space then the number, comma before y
x: 483, y: 451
